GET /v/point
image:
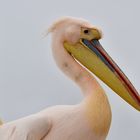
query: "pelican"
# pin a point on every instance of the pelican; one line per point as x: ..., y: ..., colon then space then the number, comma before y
x: 79, y: 54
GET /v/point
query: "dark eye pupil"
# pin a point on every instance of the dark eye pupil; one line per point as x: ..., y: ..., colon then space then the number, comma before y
x: 86, y: 31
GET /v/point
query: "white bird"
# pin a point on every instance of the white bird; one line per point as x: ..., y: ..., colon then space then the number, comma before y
x: 78, y: 54
x: 75, y: 46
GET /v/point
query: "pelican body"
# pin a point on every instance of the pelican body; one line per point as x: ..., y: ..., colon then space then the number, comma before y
x: 78, y: 53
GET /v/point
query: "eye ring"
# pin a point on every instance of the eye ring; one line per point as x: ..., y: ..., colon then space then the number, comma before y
x: 86, y: 31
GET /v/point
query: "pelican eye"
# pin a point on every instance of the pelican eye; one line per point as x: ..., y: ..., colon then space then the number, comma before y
x: 86, y: 31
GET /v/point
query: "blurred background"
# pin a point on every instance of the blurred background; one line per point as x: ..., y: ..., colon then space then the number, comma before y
x: 29, y: 78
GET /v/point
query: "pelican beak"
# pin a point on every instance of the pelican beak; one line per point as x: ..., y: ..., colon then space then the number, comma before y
x: 92, y: 55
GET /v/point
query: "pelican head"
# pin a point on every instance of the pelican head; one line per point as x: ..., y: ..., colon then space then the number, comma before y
x: 81, y: 41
